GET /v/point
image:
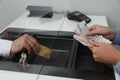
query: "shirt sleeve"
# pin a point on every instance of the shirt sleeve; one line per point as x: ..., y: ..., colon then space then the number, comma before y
x: 117, y: 42
x: 117, y: 67
x: 117, y: 37
x: 5, y: 46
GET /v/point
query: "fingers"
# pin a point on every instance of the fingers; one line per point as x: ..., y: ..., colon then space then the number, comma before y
x: 94, y: 43
x: 20, y: 44
x: 90, y: 33
x: 32, y: 43
x: 25, y: 42
x: 92, y: 27
x: 93, y: 30
x: 26, y: 46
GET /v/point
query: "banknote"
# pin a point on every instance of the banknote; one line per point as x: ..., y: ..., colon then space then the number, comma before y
x: 82, y: 41
x: 83, y: 28
x: 83, y: 37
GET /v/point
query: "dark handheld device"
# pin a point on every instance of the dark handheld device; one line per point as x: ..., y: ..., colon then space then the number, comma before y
x: 78, y: 16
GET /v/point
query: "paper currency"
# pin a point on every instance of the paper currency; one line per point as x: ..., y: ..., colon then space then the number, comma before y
x: 84, y: 30
x: 82, y: 41
x: 82, y: 36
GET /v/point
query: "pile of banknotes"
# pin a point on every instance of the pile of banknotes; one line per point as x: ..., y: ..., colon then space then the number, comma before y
x: 81, y: 31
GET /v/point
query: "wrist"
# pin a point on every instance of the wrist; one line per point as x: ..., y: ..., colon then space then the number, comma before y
x: 113, y: 33
x: 117, y: 67
x: 12, y: 48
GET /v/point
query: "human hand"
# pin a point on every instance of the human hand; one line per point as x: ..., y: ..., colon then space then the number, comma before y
x: 104, y: 53
x: 108, y: 33
x: 25, y: 42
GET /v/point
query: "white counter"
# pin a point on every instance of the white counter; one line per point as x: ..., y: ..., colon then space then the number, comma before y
x: 57, y: 23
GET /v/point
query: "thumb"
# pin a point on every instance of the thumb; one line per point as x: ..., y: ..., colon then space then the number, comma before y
x: 94, y: 32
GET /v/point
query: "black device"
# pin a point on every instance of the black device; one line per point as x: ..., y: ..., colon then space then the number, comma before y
x: 78, y: 16
x: 41, y: 11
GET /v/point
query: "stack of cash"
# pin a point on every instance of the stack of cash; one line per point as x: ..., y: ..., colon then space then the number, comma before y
x: 81, y: 31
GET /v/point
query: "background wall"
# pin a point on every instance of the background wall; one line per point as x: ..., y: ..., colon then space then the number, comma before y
x: 109, y: 8
x: 12, y: 9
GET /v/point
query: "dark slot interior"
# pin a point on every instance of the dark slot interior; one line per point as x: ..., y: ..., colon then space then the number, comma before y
x: 65, y: 45
x: 46, y: 41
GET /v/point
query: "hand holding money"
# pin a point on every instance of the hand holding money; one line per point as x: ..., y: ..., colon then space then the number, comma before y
x: 80, y: 38
x: 81, y: 35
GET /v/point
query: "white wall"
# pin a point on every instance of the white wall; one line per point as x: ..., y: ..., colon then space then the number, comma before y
x: 12, y: 9
x: 109, y: 8
x: 57, y: 5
